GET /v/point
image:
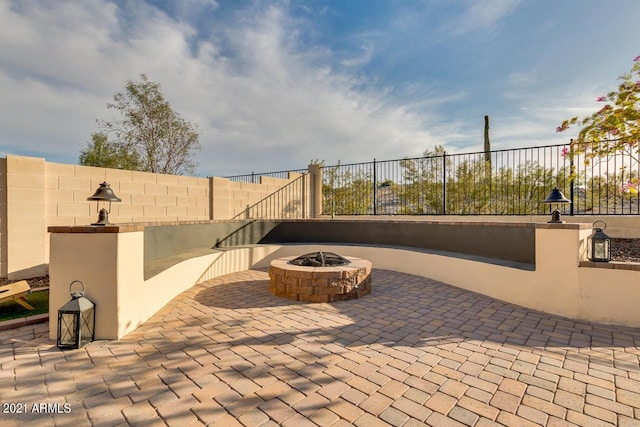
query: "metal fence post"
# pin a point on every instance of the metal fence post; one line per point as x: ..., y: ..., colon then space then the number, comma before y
x: 444, y: 183
x: 303, y: 195
x: 571, y: 179
x: 375, y: 189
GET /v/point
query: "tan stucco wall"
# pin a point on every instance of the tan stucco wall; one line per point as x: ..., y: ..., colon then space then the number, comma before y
x: 35, y: 194
x: 557, y: 286
x: 610, y: 294
x: 92, y: 259
x: 111, y: 266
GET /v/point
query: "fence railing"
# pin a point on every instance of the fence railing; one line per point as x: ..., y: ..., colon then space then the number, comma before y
x: 254, y: 178
x: 499, y: 182
x: 289, y: 201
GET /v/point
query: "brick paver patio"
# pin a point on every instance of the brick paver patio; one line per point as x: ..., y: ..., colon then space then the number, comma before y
x: 413, y: 352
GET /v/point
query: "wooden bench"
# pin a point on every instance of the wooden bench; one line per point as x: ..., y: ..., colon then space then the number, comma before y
x: 16, y: 292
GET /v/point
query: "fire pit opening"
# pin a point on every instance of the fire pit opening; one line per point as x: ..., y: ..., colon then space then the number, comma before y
x: 320, y: 259
x: 320, y: 277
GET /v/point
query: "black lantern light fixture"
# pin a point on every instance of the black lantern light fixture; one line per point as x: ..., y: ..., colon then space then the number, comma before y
x: 555, y: 197
x: 104, y: 193
x: 599, y: 244
x: 76, y: 320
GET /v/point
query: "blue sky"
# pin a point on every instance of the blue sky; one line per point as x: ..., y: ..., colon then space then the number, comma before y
x: 275, y: 84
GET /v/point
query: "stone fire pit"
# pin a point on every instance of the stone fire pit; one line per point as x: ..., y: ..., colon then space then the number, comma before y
x: 312, y: 282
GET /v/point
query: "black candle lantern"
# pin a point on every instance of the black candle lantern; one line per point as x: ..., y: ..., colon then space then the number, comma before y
x: 104, y: 193
x: 600, y: 244
x: 555, y: 197
x: 76, y: 320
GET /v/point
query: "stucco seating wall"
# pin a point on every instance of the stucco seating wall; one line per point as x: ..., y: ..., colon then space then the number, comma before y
x: 508, y: 243
x: 512, y: 244
x: 167, y: 244
x: 542, y: 271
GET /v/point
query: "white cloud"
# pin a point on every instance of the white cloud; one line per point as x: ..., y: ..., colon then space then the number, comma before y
x: 265, y: 103
x: 543, y: 107
x: 482, y: 15
x: 365, y: 56
x: 263, y: 99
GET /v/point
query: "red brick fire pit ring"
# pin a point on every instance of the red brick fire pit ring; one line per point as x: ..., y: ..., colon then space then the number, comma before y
x: 320, y: 284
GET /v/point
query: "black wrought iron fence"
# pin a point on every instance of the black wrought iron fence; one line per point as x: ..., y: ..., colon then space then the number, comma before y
x: 500, y: 182
x: 290, y: 201
x: 255, y: 177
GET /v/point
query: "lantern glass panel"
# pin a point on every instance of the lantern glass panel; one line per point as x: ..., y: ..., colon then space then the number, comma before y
x: 87, y: 327
x: 68, y: 328
x: 601, y: 249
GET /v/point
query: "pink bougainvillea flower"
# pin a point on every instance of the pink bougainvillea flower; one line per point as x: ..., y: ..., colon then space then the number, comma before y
x: 636, y: 59
x: 559, y: 129
x: 601, y: 99
x: 564, y: 151
x: 613, y: 131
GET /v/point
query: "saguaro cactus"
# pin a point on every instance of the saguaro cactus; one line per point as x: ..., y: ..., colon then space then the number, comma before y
x: 487, y: 143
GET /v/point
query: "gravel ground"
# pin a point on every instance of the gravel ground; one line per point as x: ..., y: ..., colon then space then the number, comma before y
x: 35, y: 282
x: 624, y: 250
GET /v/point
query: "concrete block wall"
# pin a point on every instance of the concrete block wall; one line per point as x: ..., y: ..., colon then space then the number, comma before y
x: 3, y: 217
x: 231, y: 198
x: 145, y: 196
x: 35, y: 194
x: 26, y: 227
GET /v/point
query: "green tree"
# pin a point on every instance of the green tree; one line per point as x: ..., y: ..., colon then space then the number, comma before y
x: 473, y: 187
x: 100, y: 152
x: 615, y: 128
x: 151, y: 131
x: 346, y: 190
x: 422, y: 191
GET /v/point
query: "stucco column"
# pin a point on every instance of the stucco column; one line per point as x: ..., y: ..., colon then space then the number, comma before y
x: 220, y: 199
x: 315, y: 173
x: 91, y: 258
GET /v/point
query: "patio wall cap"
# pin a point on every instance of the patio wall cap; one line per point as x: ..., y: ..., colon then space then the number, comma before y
x: 140, y: 226
x: 612, y: 265
x: 120, y: 228
x: 422, y: 220
x: 566, y: 226
x: 125, y: 227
